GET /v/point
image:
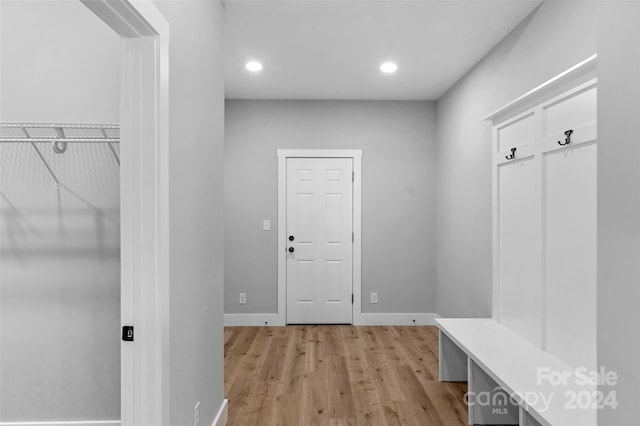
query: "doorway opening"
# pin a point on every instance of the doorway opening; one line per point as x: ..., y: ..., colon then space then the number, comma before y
x: 62, y: 168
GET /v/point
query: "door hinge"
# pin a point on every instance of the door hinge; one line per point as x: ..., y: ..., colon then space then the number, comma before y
x: 127, y: 333
x: 352, y: 298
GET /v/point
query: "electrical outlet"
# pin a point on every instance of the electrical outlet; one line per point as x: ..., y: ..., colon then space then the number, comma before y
x: 196, y: 414
x: 243, y: 298
x: 374, y: 297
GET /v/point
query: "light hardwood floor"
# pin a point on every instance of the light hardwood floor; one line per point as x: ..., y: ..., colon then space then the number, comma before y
x: 338, y: 375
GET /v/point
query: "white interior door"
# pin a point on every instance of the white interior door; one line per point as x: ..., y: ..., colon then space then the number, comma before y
x: 319, y: 240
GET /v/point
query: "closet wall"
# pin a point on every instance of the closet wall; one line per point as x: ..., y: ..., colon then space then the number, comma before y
x: 60, y: 250
x: 543, y: 45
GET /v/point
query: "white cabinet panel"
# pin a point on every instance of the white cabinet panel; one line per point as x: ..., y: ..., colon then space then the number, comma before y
x: 545, y: 218
x: 516, y: 133
x: 574, y: 111
x: 570, y: 254
x: 519, y: 252
x: 545, y: 215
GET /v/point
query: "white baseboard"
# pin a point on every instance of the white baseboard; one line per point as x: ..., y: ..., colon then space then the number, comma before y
x: 64, y: 423
x: 234, y: 320
x: 220, y: 420
x: 248, y: 320
x: 397, y: 319
x: 223, y: 414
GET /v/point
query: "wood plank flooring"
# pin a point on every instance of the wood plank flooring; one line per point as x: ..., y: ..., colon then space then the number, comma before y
x: 338, y: 375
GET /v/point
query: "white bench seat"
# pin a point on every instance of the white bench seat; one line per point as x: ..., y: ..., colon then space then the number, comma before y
x: 513, y: 363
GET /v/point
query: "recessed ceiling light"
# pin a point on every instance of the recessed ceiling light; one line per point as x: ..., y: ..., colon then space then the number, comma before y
x: 253, y: 66
x: 388, y: 68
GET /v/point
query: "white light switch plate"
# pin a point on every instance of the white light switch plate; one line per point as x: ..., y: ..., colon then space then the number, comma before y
x: 266, y: 225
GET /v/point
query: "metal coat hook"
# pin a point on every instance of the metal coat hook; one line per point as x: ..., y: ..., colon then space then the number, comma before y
x: 513, y: 154
x: 567, y: 141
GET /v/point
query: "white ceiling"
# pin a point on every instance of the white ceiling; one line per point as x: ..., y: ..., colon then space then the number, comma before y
x: 327, y: 49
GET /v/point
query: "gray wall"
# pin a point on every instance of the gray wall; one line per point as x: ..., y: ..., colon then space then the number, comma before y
x: 59, y: 63
x: 60, y: 250
x: 398, y: 192
x: 196, y: 215
x: 619, y: 205
x: 554, y: 37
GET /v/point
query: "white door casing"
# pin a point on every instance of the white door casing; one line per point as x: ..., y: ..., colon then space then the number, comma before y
x: 319, y: 240
x: 356, y: 157
x: 144, y: 206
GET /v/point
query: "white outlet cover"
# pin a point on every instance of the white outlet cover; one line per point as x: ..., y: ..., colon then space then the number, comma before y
x: 374, y: 297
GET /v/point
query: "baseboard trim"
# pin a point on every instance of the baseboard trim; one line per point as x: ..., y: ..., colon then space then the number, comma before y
x: 397, y: 319
x: 64, y: 423
x: 223, y: 414
x: 235, y: 320
x: 253, y: 320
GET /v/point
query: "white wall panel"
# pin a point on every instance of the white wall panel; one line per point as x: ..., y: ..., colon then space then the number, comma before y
x: 569, y: 113
x: 519, y: 254
x: 516, y: 133
x: 570, y: 254
x: 546, y: 217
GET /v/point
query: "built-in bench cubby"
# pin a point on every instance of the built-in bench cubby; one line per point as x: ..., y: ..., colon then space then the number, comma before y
x: 488, y: 402
x: 510, y: 380
x: 523, y: 364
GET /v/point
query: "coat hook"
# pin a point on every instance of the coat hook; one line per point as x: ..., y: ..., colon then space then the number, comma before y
x: 567, y: 141
x: 513, y: 154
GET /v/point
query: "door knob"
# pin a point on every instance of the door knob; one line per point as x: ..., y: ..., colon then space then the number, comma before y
x: 291, y: 249
x: 291, y: 238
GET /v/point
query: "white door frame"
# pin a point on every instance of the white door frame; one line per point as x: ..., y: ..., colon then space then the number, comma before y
x: 144, y: 206
x: 356, y: 156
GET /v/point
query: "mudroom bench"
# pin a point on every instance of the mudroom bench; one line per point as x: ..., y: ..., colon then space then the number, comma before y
x: 511, y: 381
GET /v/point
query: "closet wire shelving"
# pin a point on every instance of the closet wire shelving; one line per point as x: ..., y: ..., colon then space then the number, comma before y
x: 59, y: 135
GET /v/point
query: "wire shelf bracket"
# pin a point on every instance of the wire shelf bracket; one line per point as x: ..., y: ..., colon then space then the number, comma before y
x: 59, y: 135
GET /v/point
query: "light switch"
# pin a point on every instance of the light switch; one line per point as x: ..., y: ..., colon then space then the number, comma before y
x: 266, y: 225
